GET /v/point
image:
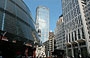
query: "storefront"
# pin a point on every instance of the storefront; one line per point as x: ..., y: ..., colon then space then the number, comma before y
x: 12, y: 50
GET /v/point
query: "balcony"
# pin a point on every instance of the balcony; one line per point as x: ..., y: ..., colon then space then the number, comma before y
x: 80, y: 40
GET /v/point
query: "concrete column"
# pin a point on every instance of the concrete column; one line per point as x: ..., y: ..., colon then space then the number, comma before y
x: 79, y: 50
x: 3, y: 20
x: 72, y: 51
x: 66, y: 50
x: 80, y: 33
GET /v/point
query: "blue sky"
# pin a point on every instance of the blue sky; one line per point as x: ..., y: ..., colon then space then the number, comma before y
x: 55, y: 9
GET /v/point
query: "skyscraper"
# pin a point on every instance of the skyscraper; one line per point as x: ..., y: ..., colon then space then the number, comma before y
x: 87, y: 20
x: 42, y: 22
x: 16, y: 21
x: 60, y: 34
x: 17, y: 29
x: 76, y: 31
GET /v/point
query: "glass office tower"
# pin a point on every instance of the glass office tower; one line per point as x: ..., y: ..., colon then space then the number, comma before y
x: 16, y: 21
x: 42, y: 22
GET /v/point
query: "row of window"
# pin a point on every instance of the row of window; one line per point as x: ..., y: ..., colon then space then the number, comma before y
x: 72, y: 14
x: 60, y: 39
x: 60, y: 46
x: 69, y: 7
x: 87, y: 16
x: 60, y: 36
x: 76, y: 22
x: 75, y: 35
x: 16, y: 10
x: 66, y: 2
x: 60, y: 32
x: 17, y: 20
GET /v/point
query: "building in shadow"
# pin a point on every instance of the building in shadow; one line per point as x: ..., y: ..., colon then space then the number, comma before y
x: 17, y: 28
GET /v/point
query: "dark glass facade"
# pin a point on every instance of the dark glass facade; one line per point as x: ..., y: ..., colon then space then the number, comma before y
x: 16, y: 20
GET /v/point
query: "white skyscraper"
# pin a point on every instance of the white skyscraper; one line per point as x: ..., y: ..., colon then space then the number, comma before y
x: 77, y: 33
x: 42, y: 22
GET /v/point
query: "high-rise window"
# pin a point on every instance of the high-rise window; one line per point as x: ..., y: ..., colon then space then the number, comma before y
x: 16, y: 20
x: 79, y: 34
x: 66, y: 38
x: 83, y: 35
x: 75, y: 35
x: 42, y: 19
x: 69, y: 37
x: 72, y: 37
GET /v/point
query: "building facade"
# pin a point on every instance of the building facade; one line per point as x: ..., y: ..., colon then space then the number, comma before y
x: 87, y: 19
x: 76, y: 32
x: 60, y: 34
x: 16, y: 21
x: 51, y: 43
x: 17, y: 29
x: 42, y: 22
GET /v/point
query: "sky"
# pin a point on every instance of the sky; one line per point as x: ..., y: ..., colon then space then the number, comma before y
x: 55, y: 9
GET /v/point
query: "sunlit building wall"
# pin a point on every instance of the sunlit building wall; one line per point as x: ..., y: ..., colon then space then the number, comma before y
x: 76, y: 32
x: 42, y: 22
x: 60, y: 34
x: 51, y: 43
x: 87, y: 19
